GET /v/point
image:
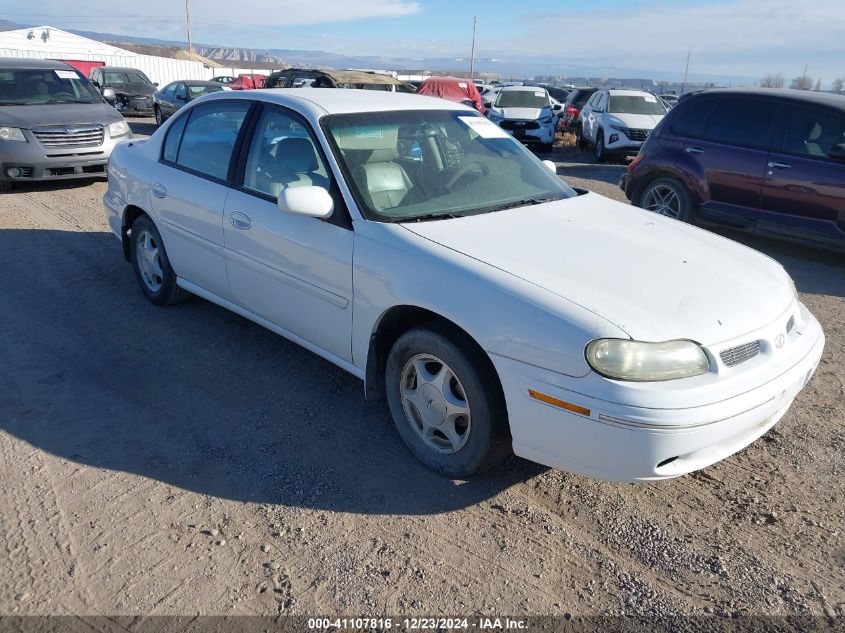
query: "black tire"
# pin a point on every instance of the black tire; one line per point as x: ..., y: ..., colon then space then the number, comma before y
x: 159, y: 117
x: 686, y: 211
x: 489, y: 440
x: 168, y: 293
x: 545, y: 148
x: 601, y: 151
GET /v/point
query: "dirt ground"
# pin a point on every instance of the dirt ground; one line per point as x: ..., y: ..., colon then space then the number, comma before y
x: 186, y: 461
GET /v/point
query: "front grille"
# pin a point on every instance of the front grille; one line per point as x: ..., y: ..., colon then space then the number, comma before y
x: 739, y: 354
x: 509, y: 124
x: 61, y: 137
x: 142, y: 102
x: 635, y: 135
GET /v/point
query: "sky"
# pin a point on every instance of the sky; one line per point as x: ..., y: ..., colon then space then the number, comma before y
x: 747, y: 38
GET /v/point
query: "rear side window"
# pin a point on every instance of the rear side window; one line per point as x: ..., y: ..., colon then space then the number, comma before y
x: 174, y: 135
x: 813, y: 132
x: 743, y: 122
x: 209, y: 137
x: 690, y: 118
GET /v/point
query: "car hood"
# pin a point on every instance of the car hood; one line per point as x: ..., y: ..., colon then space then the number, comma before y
x: 529, y: 114
x: 58, y: 114
x: 655, y: 278
x: 134, y: 89
x: 638, y: 121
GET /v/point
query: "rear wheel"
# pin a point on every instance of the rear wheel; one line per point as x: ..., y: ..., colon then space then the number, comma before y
x: 669, y: 197
x: 601, y: 151
x: 582, y: 142
x: 152, y: 267
x: 446, y: 402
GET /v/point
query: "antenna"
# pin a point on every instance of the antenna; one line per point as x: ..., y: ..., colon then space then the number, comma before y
x: 686, y: 72
x: 188, y: 20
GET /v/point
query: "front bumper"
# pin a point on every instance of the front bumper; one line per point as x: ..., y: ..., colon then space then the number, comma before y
x: 620, y: 441
x: 543, y: 135
x: 30, y: 161
x: 134, y: 106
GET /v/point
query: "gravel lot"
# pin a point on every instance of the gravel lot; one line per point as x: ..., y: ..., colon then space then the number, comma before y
x: 187, y: 461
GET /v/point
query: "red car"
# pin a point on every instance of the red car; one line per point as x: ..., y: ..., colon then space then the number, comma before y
x: 248, y: 82
x: 765, y: 160
x: 453, y: 89
x: 575, y: 100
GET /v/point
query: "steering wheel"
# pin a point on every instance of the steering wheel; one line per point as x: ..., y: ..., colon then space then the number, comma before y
x: 479, y: 167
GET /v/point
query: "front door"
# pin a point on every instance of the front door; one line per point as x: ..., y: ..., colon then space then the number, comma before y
x: 294, y: 271
x: 804, y: 188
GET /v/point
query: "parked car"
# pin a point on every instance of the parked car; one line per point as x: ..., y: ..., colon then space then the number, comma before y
x: 453, y: 89
x: 492, y: 305
x: 617, y: 122
x: 572, y: 107
x: 526, y: 112
x: 54, y: 124
x: 248, y: 82
x: 223, y: 79
x: 179, y: 93
x: 764, y: 160
x: 356, y: 79
x: 559, y: 93
x: 133, y: 90
x: 670, y: 98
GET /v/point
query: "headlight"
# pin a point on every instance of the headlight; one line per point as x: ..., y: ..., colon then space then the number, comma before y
x: 643, y: 362
x: 11, y: 134
x: 118, y: 129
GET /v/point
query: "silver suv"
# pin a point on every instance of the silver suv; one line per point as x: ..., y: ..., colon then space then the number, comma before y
x: 53, y: 123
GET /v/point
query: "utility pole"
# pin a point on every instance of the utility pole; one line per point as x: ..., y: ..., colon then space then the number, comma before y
x: 472, y: 54
x: 188, y: 20
x: 686, y: 73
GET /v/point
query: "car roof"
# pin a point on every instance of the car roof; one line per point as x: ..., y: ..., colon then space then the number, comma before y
x: 334, y: 101
x: 627, y: 92
x: 803, y: 96
x: 17, y: 63
x: 198, y: 82
x: 522, y: 88
x: 120, y: 68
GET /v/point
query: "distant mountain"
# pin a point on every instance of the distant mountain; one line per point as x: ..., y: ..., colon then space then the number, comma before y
x: 513, y: 69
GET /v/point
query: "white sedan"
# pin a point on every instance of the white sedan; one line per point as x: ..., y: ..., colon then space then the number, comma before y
x: 417, y: 245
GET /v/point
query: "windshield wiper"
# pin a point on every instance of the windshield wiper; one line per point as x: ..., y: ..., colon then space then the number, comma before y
x: 525, y: 202
x: 69, y: 101
x: 446, y: 215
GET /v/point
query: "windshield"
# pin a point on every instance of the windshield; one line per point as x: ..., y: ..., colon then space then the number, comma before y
x: 198, y: 91
x: 124, y: 77
x: 37, y: 87
x: 635, y: 104
x: 522, y: 99
x: 417, y: 165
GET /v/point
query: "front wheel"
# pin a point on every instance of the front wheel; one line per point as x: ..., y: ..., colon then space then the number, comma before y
x: 582, y: 142
x: 667, y: 196
x: 152, y: 267
x: 446, y: 402
x: 159, y: 117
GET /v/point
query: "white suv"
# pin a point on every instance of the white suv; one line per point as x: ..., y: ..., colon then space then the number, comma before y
x: 526, y: 113
x: 618, y: 121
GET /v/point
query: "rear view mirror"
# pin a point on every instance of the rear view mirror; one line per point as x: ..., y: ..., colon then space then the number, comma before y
x: 552, y: 167
x: 109, y: 94
x: 315, y: 202
x: 837, y: 152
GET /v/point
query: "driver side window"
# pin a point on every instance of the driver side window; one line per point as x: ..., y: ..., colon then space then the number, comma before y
x: 282, y: 154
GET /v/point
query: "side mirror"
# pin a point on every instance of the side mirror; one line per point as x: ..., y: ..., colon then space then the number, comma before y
x: 837, y: 152
x: 94, y: 82
x: 552, y: 167
x: 487, y: 104
x: 315, y: 202
x: 558, y: 107
x: 155, y: 84
x: 109, y: 95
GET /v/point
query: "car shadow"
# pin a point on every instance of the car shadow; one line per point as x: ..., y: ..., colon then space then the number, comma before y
x: 142, y: 126
x: 573, y: 162
x: 193, y: 395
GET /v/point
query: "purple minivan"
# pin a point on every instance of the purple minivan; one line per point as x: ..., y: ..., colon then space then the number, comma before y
x: 766, y: 160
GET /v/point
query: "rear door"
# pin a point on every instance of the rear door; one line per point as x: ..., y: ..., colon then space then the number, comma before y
x: 804, y: 188
x: 727, y: 162
x: 190, y: 184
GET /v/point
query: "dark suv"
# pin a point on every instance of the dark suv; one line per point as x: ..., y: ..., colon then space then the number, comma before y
x: 771, y: 161
x: 133, y: 89
x: 575, y: 100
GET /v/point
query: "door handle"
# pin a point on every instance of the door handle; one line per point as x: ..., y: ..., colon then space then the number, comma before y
x: 159, y: 191
x: 694, y: 150
x: 773, y: 165
x: 239, y: 220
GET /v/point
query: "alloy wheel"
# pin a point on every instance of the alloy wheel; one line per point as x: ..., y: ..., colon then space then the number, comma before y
x: 664, y: 200
x: 435, y: 404
x: 148, y: 256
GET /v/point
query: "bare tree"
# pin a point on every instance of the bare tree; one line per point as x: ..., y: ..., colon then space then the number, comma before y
x: 772, y: 81
x: 838, y: 85
x: 803, y: 82
x: 818, y: 85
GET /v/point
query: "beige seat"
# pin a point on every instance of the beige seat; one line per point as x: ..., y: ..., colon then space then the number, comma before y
x: 294, y: 164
